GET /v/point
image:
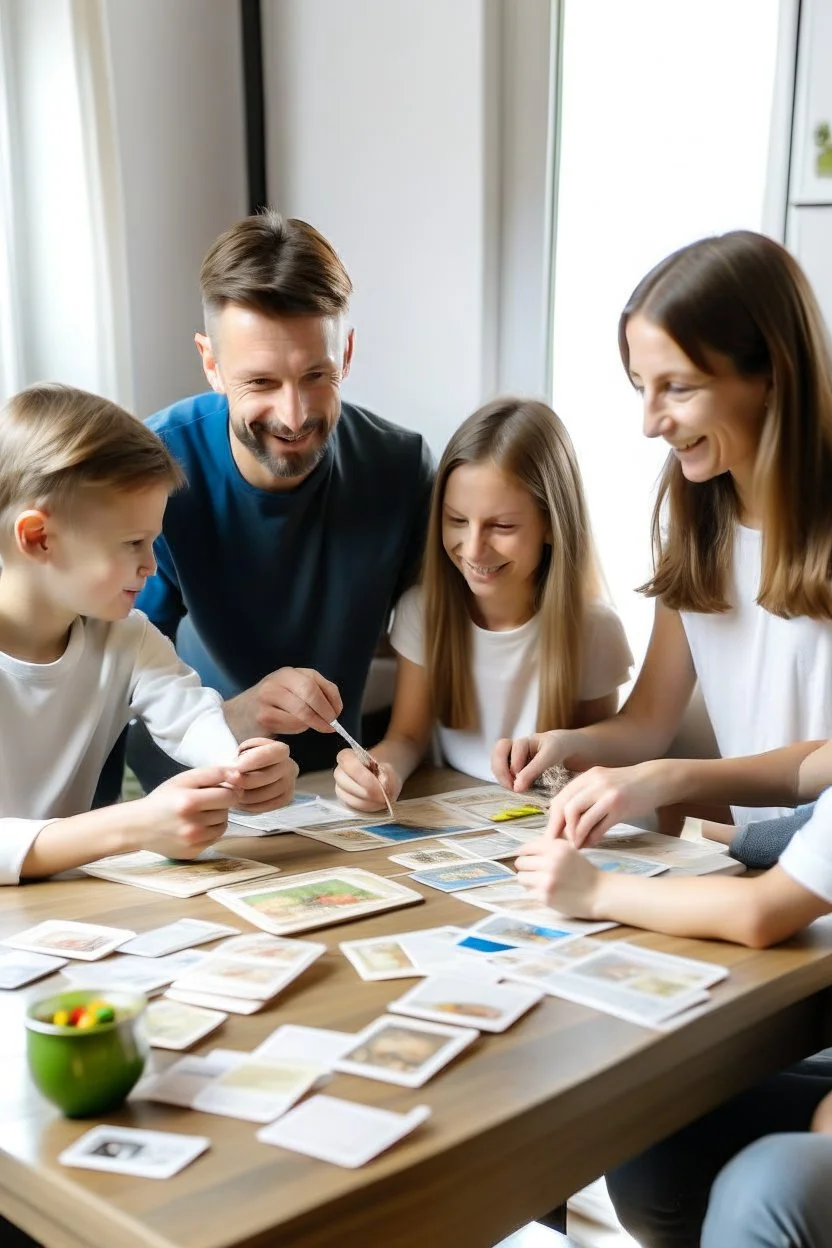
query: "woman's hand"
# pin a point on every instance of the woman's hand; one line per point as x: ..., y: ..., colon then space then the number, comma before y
x: 603, y: 796
x: 557, y: 875
x: 356, y: 786
x: 518, y: 762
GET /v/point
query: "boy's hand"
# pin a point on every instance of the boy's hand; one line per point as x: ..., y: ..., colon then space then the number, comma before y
x: 603, y: 796
x: 558, y: 876
x: 184, y: 815
x: 356, y: 786
x: 264, y: 776
x: 518, y: 762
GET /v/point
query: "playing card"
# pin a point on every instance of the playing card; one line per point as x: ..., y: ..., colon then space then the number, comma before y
x: 66, y: 939
x: 305, y: 1044
x: 181, y: 1082
x: 182, y: 934
x: 256, y: 967
x: 513, y: 930
x: 214, y: 1001
x: 379, y: 957
x: 341, y: 1132
x: 403, y: 1051
x: 125, y: 972
x: 259, y: 1089
x: 610, y: 860
x: 463, y: 875
x: 125, y: 1150
x: 172, y: 1025
x: 420, y: 858
x: 17, y: 969
x: 145, y: 869
x: 492, y: 845
x: 488, y: 1007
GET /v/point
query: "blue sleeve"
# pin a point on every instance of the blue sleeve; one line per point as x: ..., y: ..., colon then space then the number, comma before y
x: 161, y: 598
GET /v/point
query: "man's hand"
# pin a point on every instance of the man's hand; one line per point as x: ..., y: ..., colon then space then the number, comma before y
x: 356, y: 786
x: 558, y: 876
x: 289, y: 700
x: 265, y: 775
x: 184, y: 815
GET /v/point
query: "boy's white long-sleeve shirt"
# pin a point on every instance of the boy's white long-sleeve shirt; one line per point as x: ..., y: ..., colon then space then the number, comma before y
x: 60, y: 720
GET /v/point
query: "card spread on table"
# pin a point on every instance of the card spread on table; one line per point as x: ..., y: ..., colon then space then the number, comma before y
x: 341, y: 1132
x: 349, y: 838
x: 492, y: 804
x: 380, y: 957
x: 183, y: 1080
x: 315, y: 899
x: 173, y: 937
x: 487, y: 845
x: 172, y: 1025
x: 259, y: 1089
x: 17, y: 969
x: 512, y: 930
x: 440, y: 857
x: 66, y: 939
x: 144, y: 869
x: 403, y: 1051
x: 475, y: 873
x: 256, y: 967
x: 214, y: 1001
x: 125, y: 1150
x: 125, y: 972
x: 512, y: 898
x: 439, y: 957
x: 534, y: 966
x: 488, y: 1007
x: 295, y: 1043
x: 621, y: 864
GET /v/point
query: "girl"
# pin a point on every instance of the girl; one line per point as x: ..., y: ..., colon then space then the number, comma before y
x: 507, y: 633
x: 726, y: 345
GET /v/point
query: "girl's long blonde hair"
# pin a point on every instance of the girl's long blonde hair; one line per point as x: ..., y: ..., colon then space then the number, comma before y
x: 742, y: 296
x: 526, y: 440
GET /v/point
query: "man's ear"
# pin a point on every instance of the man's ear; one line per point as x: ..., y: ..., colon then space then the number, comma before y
x: 31, y: 533
x: 348, y: 350
x: 209, y: 362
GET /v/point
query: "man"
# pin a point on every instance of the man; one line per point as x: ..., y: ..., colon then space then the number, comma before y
x: 303, y: 518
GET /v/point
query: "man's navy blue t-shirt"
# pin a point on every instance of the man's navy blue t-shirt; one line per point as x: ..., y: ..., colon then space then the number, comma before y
x: 251, y: 580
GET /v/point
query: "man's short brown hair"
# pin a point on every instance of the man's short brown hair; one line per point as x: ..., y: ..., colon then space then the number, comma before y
x: 275, y: 265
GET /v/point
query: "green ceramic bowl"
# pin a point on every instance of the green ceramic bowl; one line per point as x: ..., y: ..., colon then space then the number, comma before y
x: 90, y: 1071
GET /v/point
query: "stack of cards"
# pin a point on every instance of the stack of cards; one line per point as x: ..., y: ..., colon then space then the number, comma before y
x: 403, y: 1051
x: 340, y: 1131
x: 125, y: 1150
x: 174, y: 1025
x: 65, y: 939
x: 251, y: 1086
x: 145, y: 869
x: 488, y: 1007
x: 245, y: 972
x: 299, y: 903
x: 243, y: 823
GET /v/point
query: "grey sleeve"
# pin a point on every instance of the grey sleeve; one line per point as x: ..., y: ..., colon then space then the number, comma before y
x: 759, y: 845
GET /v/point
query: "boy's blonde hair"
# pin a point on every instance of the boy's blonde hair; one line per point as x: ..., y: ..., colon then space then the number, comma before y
x: 525, y: 439
x: 57, y: 442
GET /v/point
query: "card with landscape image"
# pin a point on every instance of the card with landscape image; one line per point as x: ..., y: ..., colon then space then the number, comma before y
x: 474, y: 873
x: 313, y: 899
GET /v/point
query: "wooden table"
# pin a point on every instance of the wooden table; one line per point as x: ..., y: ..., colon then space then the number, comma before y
x: 519, y: 1122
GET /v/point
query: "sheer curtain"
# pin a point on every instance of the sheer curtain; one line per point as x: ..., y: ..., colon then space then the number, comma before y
x: 62, y: 252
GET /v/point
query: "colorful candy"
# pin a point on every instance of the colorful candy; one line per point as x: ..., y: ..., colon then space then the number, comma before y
x: 84, y: 1016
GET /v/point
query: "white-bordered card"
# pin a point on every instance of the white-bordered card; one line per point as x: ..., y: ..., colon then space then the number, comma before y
x: 404, y: 1051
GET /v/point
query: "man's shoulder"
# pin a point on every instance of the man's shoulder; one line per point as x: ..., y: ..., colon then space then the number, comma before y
x: 188, y: 419
x: 361, y: 430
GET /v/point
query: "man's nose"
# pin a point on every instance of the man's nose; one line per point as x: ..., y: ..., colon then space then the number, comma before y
x: 288, y: 408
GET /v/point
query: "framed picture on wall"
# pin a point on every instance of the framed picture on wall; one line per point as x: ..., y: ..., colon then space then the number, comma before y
x: 811, y: 176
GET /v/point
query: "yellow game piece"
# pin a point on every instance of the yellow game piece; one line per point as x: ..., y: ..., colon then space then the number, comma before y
x: 61, y: 1018
x: 515, y: 812
x: 85, y: 1021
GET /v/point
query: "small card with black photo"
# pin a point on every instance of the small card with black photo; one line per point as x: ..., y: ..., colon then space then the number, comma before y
x: 126, y: 1150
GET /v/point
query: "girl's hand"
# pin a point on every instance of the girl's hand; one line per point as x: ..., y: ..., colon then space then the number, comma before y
x: 596, y: 799
x: 558, y: 876
x: 265, y: 775
x: 822, y: 1120
x: 518, y: 762
x: 356, y: 786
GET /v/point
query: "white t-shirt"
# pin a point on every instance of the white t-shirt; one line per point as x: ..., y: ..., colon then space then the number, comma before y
x: 60, y: 720
x: 808, y: 856
x: 506, y: 679
x: 766, y: 681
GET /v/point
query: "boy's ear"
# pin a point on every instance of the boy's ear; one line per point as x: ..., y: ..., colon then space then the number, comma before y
x: 31, y: 533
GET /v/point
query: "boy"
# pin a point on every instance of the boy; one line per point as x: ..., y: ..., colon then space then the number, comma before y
x: 83, y: 487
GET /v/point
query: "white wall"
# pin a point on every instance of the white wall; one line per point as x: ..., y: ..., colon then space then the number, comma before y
x: 177, y: 84
x: 386, y: 130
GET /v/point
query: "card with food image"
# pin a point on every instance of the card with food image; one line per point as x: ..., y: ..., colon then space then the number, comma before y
x: 259, y: 1089
x: 314, y: 899
x: 145, y: 869
x: 404, y: 1051
x: 172, y: 1025
x: 475, y: 873
x: 66, y: 939
x: 469, y: 1003
x: 380, y: 957
x: 257, y: 967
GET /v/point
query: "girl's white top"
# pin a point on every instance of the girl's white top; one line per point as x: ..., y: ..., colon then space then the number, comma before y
x: 506, y: 676
x: 60, y: 720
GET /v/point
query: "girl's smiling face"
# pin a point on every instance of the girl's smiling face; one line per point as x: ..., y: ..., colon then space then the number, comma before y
x: 494, y: 533
x: 711, y: 421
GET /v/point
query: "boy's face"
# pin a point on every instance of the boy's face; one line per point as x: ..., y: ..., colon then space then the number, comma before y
x: 100, y: 553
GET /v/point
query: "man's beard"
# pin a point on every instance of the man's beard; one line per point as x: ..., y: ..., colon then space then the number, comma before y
x: 288, y: 465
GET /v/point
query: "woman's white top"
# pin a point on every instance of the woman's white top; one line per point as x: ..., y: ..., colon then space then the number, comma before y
x: 60, y: 720
x: 766, y: 681
x: 505, y: 668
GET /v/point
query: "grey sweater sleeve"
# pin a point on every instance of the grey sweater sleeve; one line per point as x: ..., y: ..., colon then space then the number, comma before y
x: 761, y: 844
